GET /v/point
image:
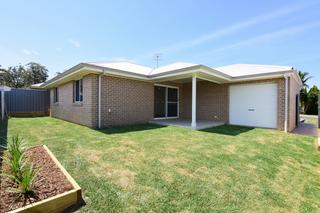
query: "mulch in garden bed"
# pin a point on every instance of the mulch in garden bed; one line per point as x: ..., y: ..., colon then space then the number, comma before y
x: 50, y: 181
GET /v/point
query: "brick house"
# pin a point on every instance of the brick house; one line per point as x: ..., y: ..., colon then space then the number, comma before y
x: 106, y: 94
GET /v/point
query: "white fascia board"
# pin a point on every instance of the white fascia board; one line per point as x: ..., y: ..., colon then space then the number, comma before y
x: 199, y: 69
x: 260, y: 76
x: 105, y: 71
x: 72, y: 73
x: 207, y: 79
x: 165, y: 85
x: 168, y: 75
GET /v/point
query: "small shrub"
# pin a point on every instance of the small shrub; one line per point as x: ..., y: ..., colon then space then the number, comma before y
x: 20, y: 172
x: 15, y: 157
x: 27, y: 182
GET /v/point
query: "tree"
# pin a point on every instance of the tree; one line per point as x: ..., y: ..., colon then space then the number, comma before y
x: 23, y: 76
x: 2, y: 73
x: 304, y: 76
x: 35, y: 73
x: 14, y: 76
x: 312, y: 102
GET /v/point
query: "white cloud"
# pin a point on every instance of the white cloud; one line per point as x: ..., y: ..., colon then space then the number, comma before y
x: 232, y: 29
x: 30, y: 52
x: 74, y: 42
x: 264, y: 38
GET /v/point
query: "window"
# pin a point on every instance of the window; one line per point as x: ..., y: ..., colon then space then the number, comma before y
x: 166, y: 102
x: 55, y: 95
x: 77, y: 91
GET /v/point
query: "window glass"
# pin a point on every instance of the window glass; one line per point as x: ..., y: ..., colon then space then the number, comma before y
x: 77, y: 91
x: 172, y: 95
x: 172, y: 109
x: 55, y: 95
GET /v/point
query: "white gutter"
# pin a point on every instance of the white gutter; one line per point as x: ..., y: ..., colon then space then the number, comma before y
x: 72, y: 73
x: 286, y: 103
x: 99, y: 101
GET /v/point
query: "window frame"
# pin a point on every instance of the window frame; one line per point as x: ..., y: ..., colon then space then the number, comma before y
x: 167, y: 102
x: 56, y: 95
x: 78, y: 98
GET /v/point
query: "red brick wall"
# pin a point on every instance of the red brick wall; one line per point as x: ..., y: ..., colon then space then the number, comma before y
x: 126, y: 101
x: 84, y: 113
x: 212, y: 101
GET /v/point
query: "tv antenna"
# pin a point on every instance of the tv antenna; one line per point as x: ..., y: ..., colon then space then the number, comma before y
x: 157, y: 58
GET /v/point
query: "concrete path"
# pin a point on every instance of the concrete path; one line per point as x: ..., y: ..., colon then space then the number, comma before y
x: 306, y: 129
x: 201, y: 124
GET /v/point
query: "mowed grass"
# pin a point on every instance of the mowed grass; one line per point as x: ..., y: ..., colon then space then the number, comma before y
x: 149, y: 168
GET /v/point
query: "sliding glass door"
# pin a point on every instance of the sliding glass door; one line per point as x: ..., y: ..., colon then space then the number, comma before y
x: 172, y: 102
x: 159, y: 102
x: 166, y: 102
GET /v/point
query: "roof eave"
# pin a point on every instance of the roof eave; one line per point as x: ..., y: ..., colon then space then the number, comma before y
x: 262, y: 76
x: 73, y: 70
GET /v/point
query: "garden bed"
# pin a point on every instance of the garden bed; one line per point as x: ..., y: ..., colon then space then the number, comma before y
x: 55, y: 189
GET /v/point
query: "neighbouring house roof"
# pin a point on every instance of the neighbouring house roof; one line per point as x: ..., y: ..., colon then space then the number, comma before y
x: 225, y: 74
x: 4, y: 88
x: 36, y: 85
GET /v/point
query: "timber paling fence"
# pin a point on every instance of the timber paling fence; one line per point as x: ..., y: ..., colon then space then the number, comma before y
x: 26, y: 102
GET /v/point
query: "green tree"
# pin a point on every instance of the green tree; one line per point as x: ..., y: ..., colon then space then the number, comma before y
x: 14, y: 76
x: 23, y: 76
x: 35, y: 73
x: 304, y: 76
x: 312, y: 103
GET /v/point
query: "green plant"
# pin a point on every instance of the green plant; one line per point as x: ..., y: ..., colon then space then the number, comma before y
x: 20, y: 172
x: 15, y: 158
x: 27, y: 182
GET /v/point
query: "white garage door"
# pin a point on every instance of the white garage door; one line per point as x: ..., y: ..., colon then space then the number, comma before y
x: 253, y: 105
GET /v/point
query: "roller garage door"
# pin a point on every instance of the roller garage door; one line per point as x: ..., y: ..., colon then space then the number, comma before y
x: 253, y: 105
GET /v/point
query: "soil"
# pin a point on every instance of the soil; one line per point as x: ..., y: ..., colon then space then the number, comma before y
x: 50, y: 181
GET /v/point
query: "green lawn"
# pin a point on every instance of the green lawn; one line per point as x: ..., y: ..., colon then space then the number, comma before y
x: 149, y: 168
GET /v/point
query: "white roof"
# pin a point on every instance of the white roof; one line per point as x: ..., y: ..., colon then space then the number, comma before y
x: 223, y: 74
x: 36, y: 85
x: 139, y: 69
x: 234, y: 70
x: 124, y: 66
x: 4, y: 88
x: 238, y: 70
x: 172, y: 67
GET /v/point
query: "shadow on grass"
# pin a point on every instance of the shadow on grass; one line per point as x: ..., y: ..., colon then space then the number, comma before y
x: 131, y: 128
x: 75, y: 207
x: 230, y: 130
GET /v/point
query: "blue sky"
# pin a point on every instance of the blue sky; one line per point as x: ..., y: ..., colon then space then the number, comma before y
x: 60, y: 34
